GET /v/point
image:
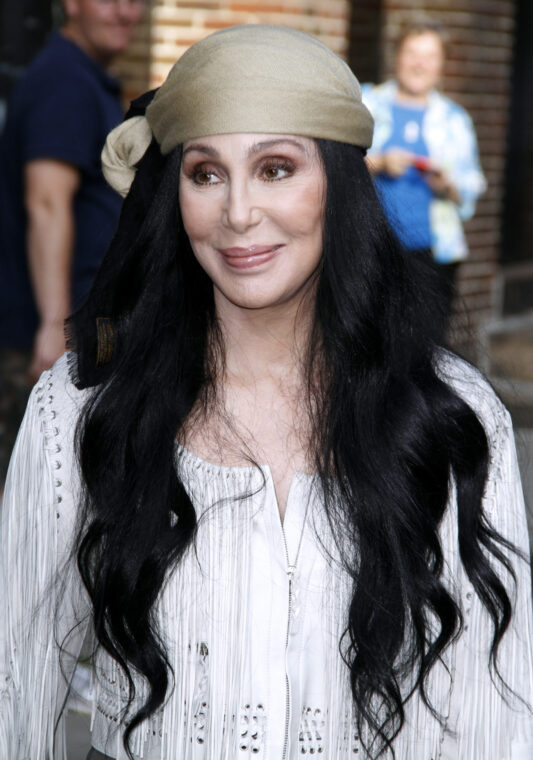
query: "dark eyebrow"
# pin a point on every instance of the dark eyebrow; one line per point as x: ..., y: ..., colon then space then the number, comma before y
x: 256, y: 148
x: 207, y: 149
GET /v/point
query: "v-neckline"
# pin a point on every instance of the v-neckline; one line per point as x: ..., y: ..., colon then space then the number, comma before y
x: 201, y: 463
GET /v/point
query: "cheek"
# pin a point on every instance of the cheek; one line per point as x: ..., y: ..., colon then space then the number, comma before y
x: 402, y: 64
x: 436, y: 67
x: 105, y: 14
x: 136, y: 14
x: 306, y: 212
x: 197, y: 215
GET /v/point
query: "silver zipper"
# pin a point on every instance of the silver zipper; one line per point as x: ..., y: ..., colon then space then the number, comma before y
x: 291, y: 569
x: 290, y: 572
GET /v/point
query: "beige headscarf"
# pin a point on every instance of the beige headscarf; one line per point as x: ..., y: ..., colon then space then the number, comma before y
x: 265, y: 79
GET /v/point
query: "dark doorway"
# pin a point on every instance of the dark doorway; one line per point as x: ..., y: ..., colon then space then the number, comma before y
x: 24, y: 26
x: 517, y: 233
x: 364, y: 48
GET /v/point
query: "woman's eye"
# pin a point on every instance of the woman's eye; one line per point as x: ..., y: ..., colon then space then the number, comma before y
x: 205, y: 177
x: 273, y: 172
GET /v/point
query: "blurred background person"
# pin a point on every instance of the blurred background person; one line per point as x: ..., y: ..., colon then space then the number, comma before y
x: 424, y: 156
x: 57, y: 213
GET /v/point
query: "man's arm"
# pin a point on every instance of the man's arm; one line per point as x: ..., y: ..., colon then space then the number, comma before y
x: 50, y: 187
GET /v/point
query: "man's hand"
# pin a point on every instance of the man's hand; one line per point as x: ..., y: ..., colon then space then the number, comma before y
x: 48, y: 346
x: 50, y: 188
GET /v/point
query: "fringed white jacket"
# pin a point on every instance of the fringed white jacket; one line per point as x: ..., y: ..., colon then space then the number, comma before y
x: 252, y: 616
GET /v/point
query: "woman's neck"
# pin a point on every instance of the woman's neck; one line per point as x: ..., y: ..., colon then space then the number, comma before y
x: 418, y: 100
x: 264, y: 345
x: 260, y: 408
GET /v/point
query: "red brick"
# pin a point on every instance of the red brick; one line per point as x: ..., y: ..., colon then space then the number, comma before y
x: 476, y: 76
x: 251, y: 7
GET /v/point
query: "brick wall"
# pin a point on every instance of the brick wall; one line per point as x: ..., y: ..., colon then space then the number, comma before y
x: 477, y: 75
x: 171, y: 26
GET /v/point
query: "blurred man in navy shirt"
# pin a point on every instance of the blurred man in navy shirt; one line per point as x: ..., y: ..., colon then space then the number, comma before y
x: 57, y: 214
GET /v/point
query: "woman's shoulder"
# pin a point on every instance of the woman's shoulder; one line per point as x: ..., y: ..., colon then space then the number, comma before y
x: 384, y: 92
x: 57, y: 403
x: 43, y: 470
x: 471, y: 385
x: 443, y: 104
x: 56, y: 388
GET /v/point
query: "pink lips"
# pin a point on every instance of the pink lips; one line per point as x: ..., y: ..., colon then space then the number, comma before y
x: 246, y: 258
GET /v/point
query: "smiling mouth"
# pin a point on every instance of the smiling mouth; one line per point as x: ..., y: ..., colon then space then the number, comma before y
x: 247, y: 258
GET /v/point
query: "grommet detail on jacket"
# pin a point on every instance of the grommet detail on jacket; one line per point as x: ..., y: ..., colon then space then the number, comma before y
x: 467, y: 608
x: 311, y: 733
x: 48, y: 414
x: 252, y: 729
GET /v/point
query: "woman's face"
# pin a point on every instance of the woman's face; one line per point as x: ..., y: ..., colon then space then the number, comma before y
x: 419, y: 63
x: 253, y: 207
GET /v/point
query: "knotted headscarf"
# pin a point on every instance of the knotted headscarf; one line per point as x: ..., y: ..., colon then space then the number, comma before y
x: 262, y: 79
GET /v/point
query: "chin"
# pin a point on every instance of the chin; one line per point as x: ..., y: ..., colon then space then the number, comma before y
x: 119, y: 42
x: 249, y: 303
x: 264, y: 301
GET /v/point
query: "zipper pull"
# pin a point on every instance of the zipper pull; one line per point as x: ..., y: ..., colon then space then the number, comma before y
x: 291, y: 569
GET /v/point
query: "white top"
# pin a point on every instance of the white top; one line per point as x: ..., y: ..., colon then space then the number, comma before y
x: 251, y: 617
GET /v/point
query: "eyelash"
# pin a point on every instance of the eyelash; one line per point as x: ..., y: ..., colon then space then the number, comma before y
x: 281, y: 164
x: 195, y: 174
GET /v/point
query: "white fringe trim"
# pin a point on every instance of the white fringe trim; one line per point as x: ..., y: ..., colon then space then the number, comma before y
x: 205, y: 619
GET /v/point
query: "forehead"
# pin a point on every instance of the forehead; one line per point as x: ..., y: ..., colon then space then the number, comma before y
x: 426, y: 41
x: 86, y: 7
x: 97, y: 6
x: 246, y: 143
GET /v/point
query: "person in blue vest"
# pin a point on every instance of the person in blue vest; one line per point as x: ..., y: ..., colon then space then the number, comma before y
x: 57, y: 213
x: 424, y: 157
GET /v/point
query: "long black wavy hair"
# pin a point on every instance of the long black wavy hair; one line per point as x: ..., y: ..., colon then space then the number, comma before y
x: 389, y: 433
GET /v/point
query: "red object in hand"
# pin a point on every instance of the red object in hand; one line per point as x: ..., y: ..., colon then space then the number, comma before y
x: 422, y: 163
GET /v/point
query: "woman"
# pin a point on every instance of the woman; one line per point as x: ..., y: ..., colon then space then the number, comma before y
x: 424, y: 155
x: 298, y: 523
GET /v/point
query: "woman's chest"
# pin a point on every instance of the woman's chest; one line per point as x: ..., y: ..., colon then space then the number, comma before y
x: 251, y: 620
x: 262, y: 626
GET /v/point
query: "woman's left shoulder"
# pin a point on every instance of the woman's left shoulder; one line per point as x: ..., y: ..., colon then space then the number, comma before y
x: 445, y: 104
x: 471, y: 385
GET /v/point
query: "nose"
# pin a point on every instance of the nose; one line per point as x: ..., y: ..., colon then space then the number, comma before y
x: 240, y: 210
